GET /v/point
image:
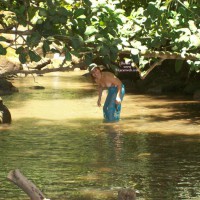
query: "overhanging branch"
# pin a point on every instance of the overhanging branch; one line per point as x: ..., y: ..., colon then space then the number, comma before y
x: 35, y: 71
x: 166, y: 55
x: 27, y: 32
x: 143, y: 75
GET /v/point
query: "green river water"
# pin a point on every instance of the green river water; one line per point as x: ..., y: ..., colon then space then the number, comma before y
x: 58, y: 141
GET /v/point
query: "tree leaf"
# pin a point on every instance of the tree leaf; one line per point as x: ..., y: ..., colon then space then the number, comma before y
x: 88, y: 58
x: 106, y: 60
x: 104, y: 50
x: 194, y: 40
x: 81, y: 25
x: 173, y: 22
x: 192, y: 26
x: 63, y: 11
x: 136, y: 44
x: 78, y: 12
x: 135, y: 58
x: 184, y: 30
x: 34, y: 39
x: 113, y: 53
x: 2, y: 38
x: 32, y: 11
x: 90, y: 30
x: 19, y: 50
x: 87, y: 2
x: 46, y: 46
x: 34, y: 57
x: 22, y: 58
x: 134, y: 51
x: 184, y: 38
x: 156, y: 42
x: 2, y: 50
x: 76, y: 41
x: 90, y: 39
x: 68, y: 56
x: 42, y: 12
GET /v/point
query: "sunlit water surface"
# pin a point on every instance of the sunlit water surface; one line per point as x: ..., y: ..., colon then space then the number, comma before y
x: 58, y: 141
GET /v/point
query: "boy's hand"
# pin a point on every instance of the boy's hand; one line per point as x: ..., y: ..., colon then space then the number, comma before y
x: 118, y: 100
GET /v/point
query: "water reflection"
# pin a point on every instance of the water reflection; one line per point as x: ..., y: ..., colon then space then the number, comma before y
x: 57, y: 139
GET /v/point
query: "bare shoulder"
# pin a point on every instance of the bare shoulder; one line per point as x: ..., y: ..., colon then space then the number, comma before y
x: 110, y: 77
x: 108, y: 74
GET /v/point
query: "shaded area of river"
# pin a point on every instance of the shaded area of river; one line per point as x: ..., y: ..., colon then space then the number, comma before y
x: 57, y: 139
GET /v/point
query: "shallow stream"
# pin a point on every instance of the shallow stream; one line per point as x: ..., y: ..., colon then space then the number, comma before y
x: 58, y: 141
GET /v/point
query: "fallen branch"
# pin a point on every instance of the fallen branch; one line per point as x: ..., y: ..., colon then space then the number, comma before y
x: 27, y: 186
x: 34, y: 193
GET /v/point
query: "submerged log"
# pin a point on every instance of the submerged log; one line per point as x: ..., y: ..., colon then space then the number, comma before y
x: 27, y: 186
x: 126, y: 194
x: 34, y: 193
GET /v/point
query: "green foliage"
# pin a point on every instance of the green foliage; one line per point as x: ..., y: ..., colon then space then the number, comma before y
x: 34, y: 57
x: 33, y: 40
x: 22, y: 54
x: 23, y: 58
x: 2, y: 50
x: 2, y: 38
x: 68, y: 56
x: 159, y: 28
x: 195, y: 65
x: 92, y: 29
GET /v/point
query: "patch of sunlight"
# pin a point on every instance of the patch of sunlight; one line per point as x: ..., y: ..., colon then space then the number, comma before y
x: 89, y: 177
x: 142, y: 155
x: 57, y: 110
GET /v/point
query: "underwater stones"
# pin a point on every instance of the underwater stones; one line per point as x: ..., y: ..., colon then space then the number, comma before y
x: 37, y: 87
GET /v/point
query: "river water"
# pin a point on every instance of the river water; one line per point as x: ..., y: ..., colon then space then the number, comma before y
x: 58, y: 141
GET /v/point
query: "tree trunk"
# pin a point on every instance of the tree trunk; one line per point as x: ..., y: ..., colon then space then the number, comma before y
x: 27, y: 186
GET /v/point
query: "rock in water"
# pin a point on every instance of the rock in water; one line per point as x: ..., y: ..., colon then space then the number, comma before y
x: 126, y: 194
x: 5, y: 116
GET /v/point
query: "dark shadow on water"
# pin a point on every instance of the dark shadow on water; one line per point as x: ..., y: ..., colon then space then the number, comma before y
x: 178, y: 108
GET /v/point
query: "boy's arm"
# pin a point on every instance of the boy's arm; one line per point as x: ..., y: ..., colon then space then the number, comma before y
x: 100, y: 90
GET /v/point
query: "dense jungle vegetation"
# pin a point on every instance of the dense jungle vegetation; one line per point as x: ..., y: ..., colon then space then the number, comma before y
x: 143, y: 32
